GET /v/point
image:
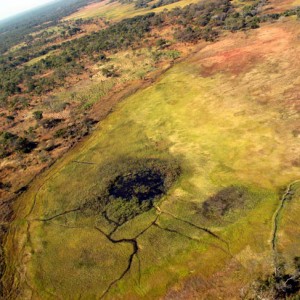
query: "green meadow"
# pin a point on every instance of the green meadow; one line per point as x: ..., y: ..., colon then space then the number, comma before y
x: 221, y: 138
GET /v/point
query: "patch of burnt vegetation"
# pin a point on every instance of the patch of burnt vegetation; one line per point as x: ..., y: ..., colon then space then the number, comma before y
x: 279, y: 286
x: 143, y: 185
x: 227, y: 200
x: 131, y: 187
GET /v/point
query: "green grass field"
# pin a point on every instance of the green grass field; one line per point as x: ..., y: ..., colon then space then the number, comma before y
x: 216, y: 128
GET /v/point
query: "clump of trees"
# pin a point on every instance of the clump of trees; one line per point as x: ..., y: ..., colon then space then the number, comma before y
x: 117, y: 36
x: 160, y: 3
x: 162, y: 43
x: 10, y: 143
x: 141, y: 3
x: 19, y: 29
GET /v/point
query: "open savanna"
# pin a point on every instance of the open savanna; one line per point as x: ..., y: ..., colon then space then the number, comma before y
x: 228, y: 117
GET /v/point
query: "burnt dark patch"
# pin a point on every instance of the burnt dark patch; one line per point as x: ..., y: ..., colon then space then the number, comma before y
x: 131, y: 187
x: 281, y: 285
x: 22, y: 190
x: 5, y: 186
x: 226, y: 200
x: 286, y: 286
x: 9, y: 143
x: 52, y: 147
x: 278, y: 286
x: 144, y: 186
x: 25, y: 146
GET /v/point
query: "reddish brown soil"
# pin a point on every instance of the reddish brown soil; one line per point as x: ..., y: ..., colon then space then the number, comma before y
x: 278, y: 6
x: 239, y: 52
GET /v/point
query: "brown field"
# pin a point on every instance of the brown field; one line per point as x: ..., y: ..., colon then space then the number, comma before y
x: 278, y: 6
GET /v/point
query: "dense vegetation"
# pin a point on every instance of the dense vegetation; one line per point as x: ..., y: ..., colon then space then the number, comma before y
x: 10, y: 143
x: 15, y: 30
x: 160, y: 3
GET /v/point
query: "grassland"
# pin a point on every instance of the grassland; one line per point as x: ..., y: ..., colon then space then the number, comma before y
x: 220, y: 115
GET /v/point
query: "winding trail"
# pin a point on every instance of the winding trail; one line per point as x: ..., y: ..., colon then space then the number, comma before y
x: 131, y: 241
x: 288, y: 195
x: 59, y: 215
x: 134, y: 242
x: 83, y: 162
x: 52, y: 176
x: 206, y: 230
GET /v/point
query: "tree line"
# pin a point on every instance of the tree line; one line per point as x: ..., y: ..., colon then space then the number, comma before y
x: 203, y: 20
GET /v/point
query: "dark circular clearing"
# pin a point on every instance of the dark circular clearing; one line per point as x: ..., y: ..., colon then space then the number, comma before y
x: 227, y: 200
x: 143, y: 185
x: 130, y: 187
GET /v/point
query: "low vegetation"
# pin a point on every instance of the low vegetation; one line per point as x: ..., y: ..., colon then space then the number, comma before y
x: 178, y: 192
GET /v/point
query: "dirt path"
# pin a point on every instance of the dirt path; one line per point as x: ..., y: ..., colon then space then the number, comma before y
x: 288, y: 195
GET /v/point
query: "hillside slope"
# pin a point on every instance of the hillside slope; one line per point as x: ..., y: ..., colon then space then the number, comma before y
x: 221, y: 130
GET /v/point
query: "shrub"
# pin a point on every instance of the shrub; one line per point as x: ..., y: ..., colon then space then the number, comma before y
x: 161, y: 43
x: 188, y: 34
x: 60, y: 132
x: 102, y: 57
x: 38, y: 115
x: 234, y: 24
x: 110, y: 71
